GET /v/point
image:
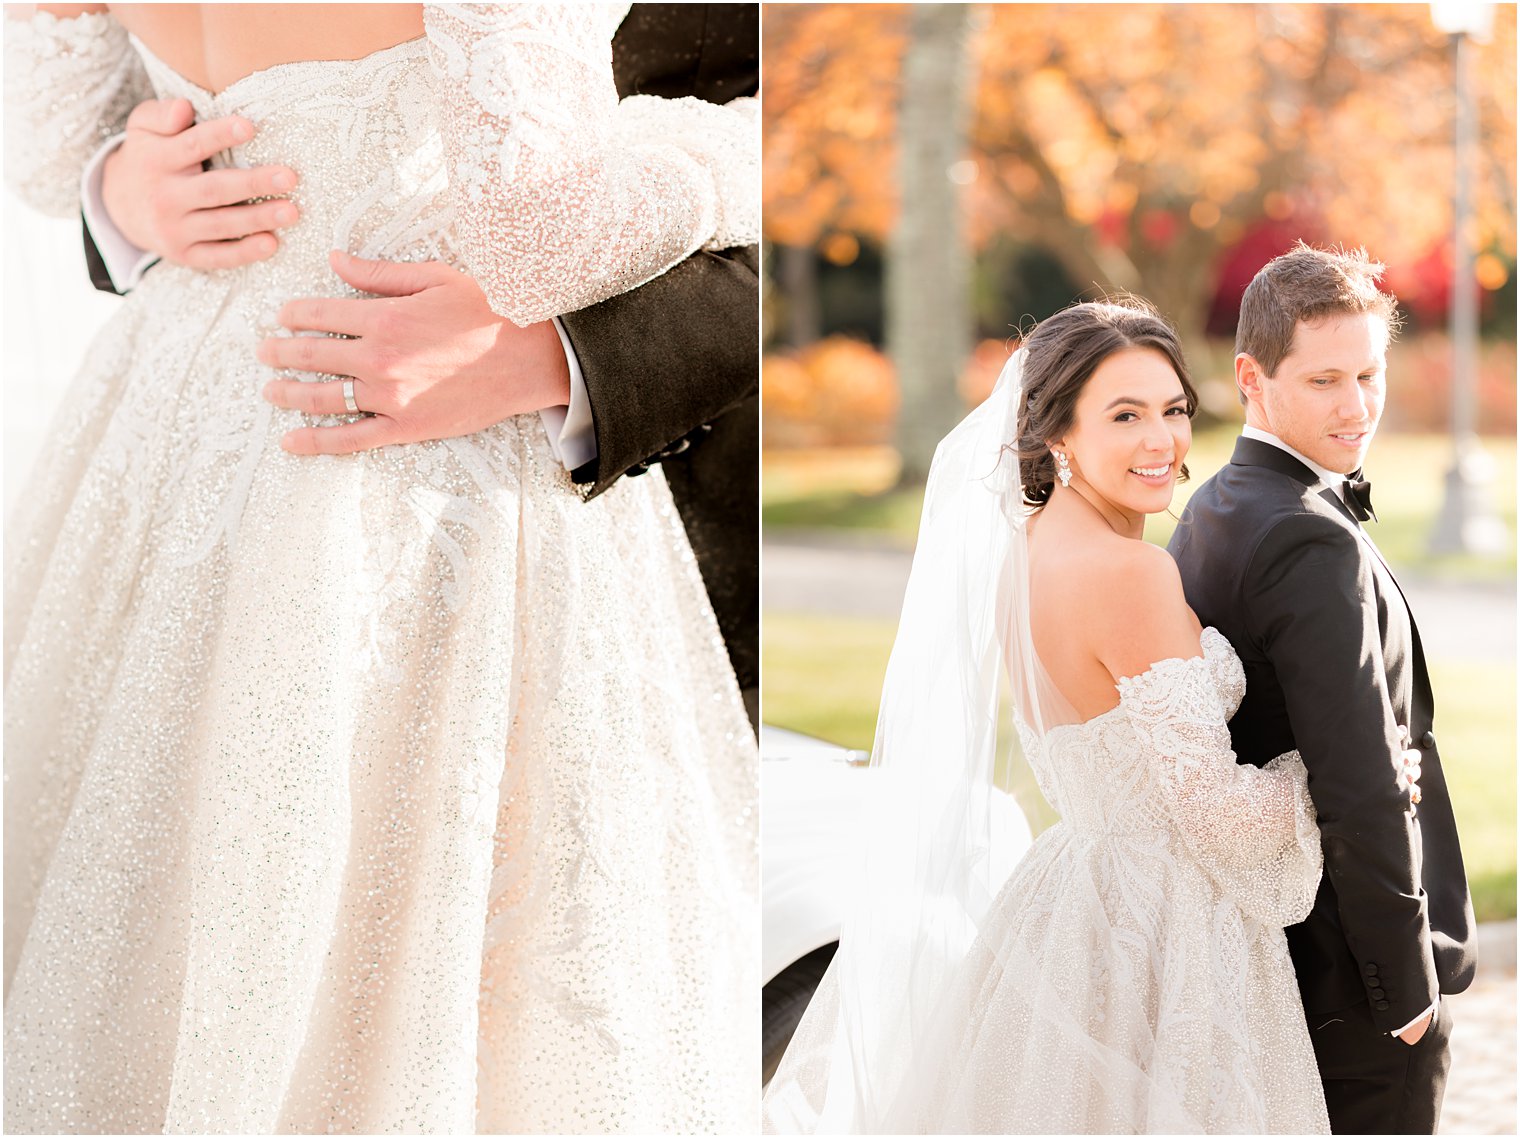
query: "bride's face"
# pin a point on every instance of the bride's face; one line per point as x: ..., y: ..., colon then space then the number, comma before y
x: 1131, y: 431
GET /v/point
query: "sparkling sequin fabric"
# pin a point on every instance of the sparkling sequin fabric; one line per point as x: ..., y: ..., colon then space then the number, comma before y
x: 1133, y: 975
x: 401, y: 791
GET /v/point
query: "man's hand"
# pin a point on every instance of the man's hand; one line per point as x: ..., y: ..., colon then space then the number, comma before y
x: 429, y: 359
x: 162, y: 200
x: 1409, y: 771
x: 1415, y: 1031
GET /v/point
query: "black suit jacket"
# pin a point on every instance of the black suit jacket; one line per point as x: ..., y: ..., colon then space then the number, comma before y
x: 672, y: 368
x: 1333, y: 668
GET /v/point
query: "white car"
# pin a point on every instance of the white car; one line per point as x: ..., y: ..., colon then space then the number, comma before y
x: 810, y: 792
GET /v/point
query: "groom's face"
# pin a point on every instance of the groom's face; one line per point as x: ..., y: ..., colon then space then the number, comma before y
x: 1327, y: 395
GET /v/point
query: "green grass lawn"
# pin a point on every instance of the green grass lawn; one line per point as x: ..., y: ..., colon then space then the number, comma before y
x: 817, y: 490
x: 823, y: 677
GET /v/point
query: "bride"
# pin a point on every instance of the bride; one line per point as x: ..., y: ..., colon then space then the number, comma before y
x: 397, y: 791
x: 1130, y: 974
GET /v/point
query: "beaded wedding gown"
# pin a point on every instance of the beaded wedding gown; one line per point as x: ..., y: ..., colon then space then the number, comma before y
x: 400, y: 791
x: 1132, y: 974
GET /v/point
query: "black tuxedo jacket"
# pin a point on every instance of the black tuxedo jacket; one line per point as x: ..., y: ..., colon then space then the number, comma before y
x: 1333, y: 668
x: 672, y: 368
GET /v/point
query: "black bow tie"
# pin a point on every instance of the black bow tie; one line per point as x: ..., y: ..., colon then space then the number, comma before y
x: 1359, y: 496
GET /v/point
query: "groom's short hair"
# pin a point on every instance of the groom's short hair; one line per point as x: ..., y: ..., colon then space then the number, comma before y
x: 1306, y: 283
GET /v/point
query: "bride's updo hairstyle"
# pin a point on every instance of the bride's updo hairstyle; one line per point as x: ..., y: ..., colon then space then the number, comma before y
x: 1060, y: 356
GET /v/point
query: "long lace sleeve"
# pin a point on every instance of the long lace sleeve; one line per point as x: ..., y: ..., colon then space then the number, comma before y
x: 69, y: 85
x: 1252, y: 829
x: 564, y: 197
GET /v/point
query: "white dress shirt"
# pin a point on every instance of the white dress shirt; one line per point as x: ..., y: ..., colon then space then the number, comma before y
x: 572, y: 433
x: 1328, y: 479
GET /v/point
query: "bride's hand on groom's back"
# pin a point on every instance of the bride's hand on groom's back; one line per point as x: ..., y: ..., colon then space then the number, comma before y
x: 428, y: 357
x: 162, y: 200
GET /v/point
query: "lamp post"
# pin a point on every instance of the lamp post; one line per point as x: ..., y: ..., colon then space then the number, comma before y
x: 1466, y: 523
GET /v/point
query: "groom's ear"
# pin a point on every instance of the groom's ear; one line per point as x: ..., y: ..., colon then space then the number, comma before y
x: 1248, y: 378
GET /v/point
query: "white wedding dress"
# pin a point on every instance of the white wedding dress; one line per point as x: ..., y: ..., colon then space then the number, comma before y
x: 400, y: 791
x: 1132, y: 975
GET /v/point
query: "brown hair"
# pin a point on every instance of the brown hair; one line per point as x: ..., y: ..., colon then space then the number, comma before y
x: 1306, y: 283
x: 1060, y: 356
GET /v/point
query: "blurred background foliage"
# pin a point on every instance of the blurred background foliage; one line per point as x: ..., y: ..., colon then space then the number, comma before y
x: 1172, y: 155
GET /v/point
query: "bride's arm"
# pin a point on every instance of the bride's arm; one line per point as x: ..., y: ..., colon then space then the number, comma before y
x: 1252, y: 829
x: 564, y: 197
x: 71, y: 79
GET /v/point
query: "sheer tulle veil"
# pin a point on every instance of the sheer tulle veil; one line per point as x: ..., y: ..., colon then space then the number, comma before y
x: 931, y: 857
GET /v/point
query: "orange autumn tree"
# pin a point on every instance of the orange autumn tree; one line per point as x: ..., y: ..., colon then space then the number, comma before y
x: 1137, y: 143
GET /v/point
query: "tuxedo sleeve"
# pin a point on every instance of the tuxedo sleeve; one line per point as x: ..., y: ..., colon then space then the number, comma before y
x: 1311, y: 609
x: 663, y: 361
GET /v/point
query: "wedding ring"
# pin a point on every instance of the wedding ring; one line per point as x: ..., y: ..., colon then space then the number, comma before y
x: 348, y: 397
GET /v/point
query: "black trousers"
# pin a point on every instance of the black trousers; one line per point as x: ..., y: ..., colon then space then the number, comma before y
x: 1375, y: 1083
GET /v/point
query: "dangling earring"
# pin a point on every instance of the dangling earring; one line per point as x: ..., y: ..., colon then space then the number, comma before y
x: 1063, y: 468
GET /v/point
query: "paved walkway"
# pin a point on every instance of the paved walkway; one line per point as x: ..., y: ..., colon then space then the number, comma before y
x: 1480, y: 1092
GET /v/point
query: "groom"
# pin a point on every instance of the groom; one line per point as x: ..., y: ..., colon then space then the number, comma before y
x: 666, y: 373
x: 1273, y: 554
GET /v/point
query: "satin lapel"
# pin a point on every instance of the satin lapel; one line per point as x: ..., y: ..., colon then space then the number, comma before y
x: 1339, y: 503
x: 1422, y: 675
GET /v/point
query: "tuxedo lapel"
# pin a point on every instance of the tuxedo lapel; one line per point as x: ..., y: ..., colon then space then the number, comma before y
x: 1339, y: 503
x: 1421, y: 675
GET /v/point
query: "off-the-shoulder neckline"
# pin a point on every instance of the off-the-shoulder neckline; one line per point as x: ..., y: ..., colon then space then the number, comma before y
x: 1204, y: 640
x: 216, y: 96
x: 1207, y: 638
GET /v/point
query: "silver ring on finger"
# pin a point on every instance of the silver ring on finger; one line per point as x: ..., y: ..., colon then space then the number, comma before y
x: 348, y: 397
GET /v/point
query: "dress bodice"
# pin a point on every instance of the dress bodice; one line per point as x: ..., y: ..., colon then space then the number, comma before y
x: 361, y: 134
x: 496, y: 141
x: 1089, y: 771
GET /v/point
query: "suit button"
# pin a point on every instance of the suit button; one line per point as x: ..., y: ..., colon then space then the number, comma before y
x: 1370, y: 969
x: 1427, y: 740
x: 1379, y: 994
x: 1382, y: 1005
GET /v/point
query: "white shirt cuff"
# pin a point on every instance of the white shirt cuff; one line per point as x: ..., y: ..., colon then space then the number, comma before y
x: 1430, y: 1011
x: 572, y: 431
x: 124, y: 261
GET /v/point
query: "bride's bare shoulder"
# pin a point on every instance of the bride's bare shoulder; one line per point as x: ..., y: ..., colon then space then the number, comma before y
x: 1133, y: 610
x: 1111, y: 569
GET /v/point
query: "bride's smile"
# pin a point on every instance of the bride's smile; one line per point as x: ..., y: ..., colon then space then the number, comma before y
x: 1130, y: 433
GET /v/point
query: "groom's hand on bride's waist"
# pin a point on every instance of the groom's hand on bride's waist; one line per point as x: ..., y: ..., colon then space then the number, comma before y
x: 161, y: 199
x: 428, y: 358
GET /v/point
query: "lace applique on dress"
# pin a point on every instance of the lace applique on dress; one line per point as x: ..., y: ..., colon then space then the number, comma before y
x: 567, y: 197
x: 69, y: 86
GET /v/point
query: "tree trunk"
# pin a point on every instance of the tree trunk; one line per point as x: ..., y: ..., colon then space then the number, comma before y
x: 799, y: 285
x: 929, y: 265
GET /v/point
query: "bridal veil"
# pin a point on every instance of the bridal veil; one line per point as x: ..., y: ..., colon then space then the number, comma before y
x: 931, y: 858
